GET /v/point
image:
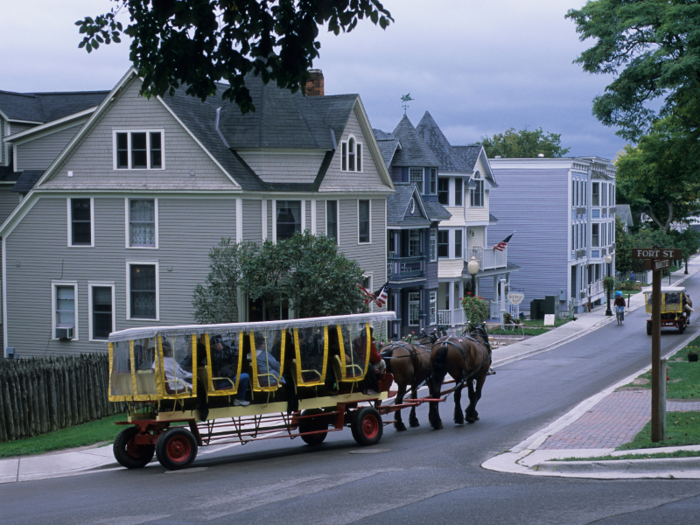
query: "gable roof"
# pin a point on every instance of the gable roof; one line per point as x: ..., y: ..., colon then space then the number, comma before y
x: 468, y: 154
x: 397, y: 204
x: 441, y: 147
x: 387, y: 145
x: 26, y: 181
x: 45, y: 107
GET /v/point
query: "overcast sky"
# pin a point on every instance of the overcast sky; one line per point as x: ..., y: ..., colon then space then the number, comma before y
x: 479, y: 67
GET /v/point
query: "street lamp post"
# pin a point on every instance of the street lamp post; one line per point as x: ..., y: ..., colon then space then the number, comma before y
x: 473, y: 269
x: 608, y: 284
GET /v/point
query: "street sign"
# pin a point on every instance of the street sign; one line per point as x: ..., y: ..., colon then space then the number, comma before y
x: 656, y: 254
x: 650, y: 264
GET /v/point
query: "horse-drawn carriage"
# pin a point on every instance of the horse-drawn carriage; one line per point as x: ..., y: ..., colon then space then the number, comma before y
x: 675, y: 306
x: 198, y: 385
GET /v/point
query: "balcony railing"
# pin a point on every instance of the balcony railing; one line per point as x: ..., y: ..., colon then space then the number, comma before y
x: 595, y: 288
x: 399, y: 268
x: 451, y: 317
x: 489, y: 258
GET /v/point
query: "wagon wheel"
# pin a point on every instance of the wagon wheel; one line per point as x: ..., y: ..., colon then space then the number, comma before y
x: 367, y: 426
x: 128, y: 453
x: 681, y: 326
x: 176, y: 448
x: 313, y: 424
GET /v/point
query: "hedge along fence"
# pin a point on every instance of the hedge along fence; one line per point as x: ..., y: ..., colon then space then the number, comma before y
x: 40, y: 395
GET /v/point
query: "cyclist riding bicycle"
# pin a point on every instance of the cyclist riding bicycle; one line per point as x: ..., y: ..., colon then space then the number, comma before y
x: 620, y: 304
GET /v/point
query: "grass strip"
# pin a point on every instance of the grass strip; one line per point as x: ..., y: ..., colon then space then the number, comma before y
x: 77, y: 436
x: 682, y: 428
x: 657, y: 455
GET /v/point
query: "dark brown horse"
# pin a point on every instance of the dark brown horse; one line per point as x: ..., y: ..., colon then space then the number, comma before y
x: 467, y: 358
x: 410, y: 364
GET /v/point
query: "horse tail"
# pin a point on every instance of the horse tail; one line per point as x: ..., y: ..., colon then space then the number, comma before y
x: 439, y: 369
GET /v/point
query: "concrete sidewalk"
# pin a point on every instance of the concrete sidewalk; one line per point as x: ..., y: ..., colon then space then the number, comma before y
x: 593, y: 428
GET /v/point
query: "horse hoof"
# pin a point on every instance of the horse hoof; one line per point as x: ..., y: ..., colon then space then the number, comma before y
x: 400, y: 427
x: 459, y: 421
x: 414, y: 424
x: 438, y: 426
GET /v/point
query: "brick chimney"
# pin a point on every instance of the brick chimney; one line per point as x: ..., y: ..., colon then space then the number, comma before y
x: 314, y: 86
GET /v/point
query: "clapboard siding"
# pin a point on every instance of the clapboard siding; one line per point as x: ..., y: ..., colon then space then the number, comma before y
x: 8, y: 202
x: 38, y: 154
x: 252, y: 220
x: 184, y: 244
x: 368, y: 179
x: 187, y: 166
x: 534, y: 203
x: 284, y: 166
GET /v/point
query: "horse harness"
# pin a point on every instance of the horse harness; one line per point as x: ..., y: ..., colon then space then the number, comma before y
x: 459, y: 347
x: 411, y: 351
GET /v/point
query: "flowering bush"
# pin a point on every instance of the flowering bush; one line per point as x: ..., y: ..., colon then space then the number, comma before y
x: 476, y: 309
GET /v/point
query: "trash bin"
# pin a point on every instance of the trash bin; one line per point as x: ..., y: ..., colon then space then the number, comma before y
x: 537, y: 309
x: 550, y: 304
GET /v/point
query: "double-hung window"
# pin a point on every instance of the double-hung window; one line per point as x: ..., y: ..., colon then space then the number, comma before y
x: 444, y: 191
x: 80, y: 216
x: 415, y: 175
x: 288, y: 219
x: 595, y: 235
x: 413, y: 308
x: 142, y: 282
x: 65, y: 308
x: 433, y: 181
x: 443, y: 243
x: 351, y: 155
x: 477, y: 192
x: 101, y: 305
x: 364, y: 222
x: 332, y: 220
x: 414, y: 243
x: 433, y: 308
x: 142, y: 227
x: 459, y: 191
x: 595, y: 194
x: 458, y: 244
x: 138, y: 150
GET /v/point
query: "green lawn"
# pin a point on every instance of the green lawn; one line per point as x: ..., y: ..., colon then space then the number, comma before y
x: 103, y: 430
x: 682, y: 428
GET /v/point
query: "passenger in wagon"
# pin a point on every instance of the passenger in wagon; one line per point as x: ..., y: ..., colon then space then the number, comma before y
x: 224, y: 363
x: 175, y: 373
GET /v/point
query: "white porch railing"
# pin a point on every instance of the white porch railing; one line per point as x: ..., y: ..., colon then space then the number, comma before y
x: 489, y: 258
x: 451, y: 317
x: 595, y: 288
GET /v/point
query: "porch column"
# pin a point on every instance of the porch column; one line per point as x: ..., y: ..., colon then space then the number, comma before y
x: 451, y: 298
x: 397, y: 309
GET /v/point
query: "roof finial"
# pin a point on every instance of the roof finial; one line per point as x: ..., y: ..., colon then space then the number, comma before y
x: 405, y: 99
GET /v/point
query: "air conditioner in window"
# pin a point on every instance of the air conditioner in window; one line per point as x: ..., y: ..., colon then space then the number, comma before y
x: 64, y: 332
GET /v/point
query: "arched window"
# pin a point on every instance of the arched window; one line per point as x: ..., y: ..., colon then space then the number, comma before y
x: 477, y: 192
x: 351, y: 155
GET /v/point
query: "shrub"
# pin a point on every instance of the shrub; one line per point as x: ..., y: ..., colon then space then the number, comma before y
x: 476, y: 309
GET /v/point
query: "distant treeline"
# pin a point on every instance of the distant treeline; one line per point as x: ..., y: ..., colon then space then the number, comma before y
x: 40, y: 395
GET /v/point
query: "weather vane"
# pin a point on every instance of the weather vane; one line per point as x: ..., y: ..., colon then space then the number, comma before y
x: 405, y: 99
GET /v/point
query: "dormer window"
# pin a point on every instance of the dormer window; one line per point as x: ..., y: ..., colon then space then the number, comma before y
x: 415, y: 175
x: 138, y: 150
x: 351, y: 155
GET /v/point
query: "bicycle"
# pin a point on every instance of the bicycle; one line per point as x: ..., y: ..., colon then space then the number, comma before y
x: 620, y: 313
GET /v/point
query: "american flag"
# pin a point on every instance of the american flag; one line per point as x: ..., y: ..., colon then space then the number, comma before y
x: 502, y: 245
x: 379, y: 297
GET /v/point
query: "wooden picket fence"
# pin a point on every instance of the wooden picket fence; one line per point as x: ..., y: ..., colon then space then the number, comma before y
x: 40, y: 395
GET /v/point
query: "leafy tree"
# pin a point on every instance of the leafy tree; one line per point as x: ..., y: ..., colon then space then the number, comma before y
x: 200, y: 42
x: 306, y: 272
x: 688, y: 241
x: 652, y: 48
x: 623, y: 250
x: 216, y: 300
x: 657, y: 178
x: 524, y: 144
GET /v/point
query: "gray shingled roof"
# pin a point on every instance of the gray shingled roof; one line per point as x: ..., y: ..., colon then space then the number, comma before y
x: 387, y: 146
x: 45, y: 107
x: 8, y: 175
x: 200, y: 119
x: 492, y: 218
x: 281, y: 120
x: 335, y: 110
x: 414, y: 151
x: 436, y: 211
x: 27, y: 180
x: 468, y: 154
x: 397, y: 205
x: 441, y: 147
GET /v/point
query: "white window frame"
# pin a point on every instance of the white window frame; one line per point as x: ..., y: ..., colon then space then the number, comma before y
x: 420, y: 184
x: 433, y: 179
x: 413, y: 301
x: 127, y: 225
x: 346, y: 151
x: 54, y: 302
x: 414, y: 240
x: 148, y: 148
x: 129, y: 264
x: 70, y: 223
x: 302, y: 216
x: 359, y: 241
x: 479, y: 182
x: 433, y: 245
x: 95, y: 284
x: 433, y: 308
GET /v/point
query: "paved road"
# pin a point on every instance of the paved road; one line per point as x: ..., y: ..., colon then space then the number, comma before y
x: 419, y: 476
